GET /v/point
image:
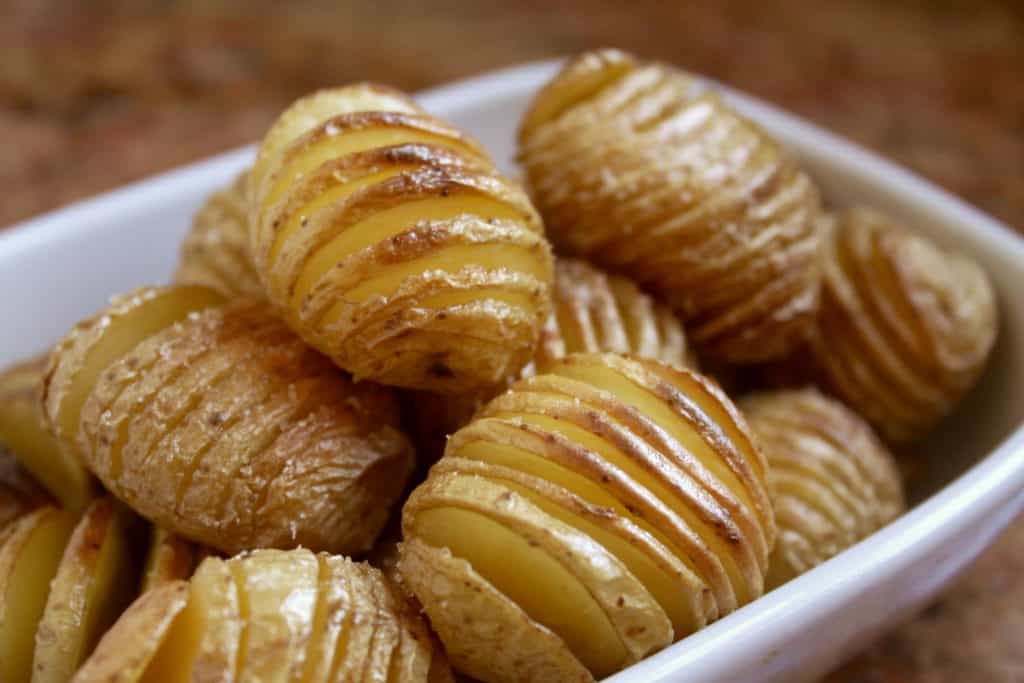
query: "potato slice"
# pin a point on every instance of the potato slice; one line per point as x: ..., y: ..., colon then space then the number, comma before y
x: 22, y: 431
x: 19, y: 492
x: 126, y: 650
x: 226, y: 429
x: 215, y: 252
x: 486, y: 634
x: 170, y: 558
x: 391, y: 244
x: 97, y: 579
x: 601, y: 499
x: 29, y: 556
x: 834, y: 482
x: 640, y: 169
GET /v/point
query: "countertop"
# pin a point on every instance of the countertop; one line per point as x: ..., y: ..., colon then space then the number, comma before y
x: 96, y: 94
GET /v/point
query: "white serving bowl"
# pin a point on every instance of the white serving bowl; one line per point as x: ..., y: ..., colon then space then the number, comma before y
x: 58, y: 268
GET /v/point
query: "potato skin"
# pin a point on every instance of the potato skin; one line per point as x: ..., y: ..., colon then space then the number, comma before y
x: 640, y: 170
x: 402, y: 254
x: 226, y: 429
x: 905, y: 327
x: 596, y: 311
x: 834, y: 481
x: 629, y: 447
x: 24, y: 435
x: 215, y: 252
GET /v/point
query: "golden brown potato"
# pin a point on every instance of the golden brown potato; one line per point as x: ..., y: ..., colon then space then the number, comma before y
x: 96, y: 580
x: 170, y: 558
x: 215, y: 252
x: 905, y: 327
x: 596, y: 311
x: 586, y: 518
x: 126, y: 650
x: 273, y: 615
x: 640, y: 169
x: 19, y: 492
x: 30, y: 552
x: 389, y: 242
x: 218, y: 424
x: 22, y: 431
x: 833, y: 481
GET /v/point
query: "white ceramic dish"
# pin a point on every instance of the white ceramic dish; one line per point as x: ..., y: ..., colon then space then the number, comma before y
x: 57, y: 268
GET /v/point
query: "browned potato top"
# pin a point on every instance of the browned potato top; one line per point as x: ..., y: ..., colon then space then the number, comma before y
x: 639, y: 168
x: 220, y: 425
x: 389, y: 241
x: 905, y: 326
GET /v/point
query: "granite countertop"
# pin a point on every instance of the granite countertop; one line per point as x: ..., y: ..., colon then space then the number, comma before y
x: 93, y: 95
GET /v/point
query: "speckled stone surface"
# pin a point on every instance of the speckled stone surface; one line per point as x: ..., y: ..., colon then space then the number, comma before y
x: 95, y: 94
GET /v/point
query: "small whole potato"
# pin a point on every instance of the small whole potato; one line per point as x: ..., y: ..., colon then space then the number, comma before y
x: 388, y: 240
x: 215, y: 252
x: 834, y: 483
x: 215, y: 422
x: 640, y: 169
x: 586, y: 518
x: 905, y: 326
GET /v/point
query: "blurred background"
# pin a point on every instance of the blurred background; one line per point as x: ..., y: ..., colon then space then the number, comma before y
x: 97, y: 93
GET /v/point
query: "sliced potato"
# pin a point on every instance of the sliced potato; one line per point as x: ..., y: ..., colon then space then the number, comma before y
x: 97, y: 579
x: 19, y: 492
x: 29, y: 557
x: 224, y: 428
x: 616, y: 502
x: 22, y: 431
x: 642, y: 169
x: 170, y: 558
x: 126, y: 650
x: 833, y: 481
x: 390, y: 242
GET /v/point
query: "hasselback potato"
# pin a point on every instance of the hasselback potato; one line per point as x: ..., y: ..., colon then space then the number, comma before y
x: 640, y: 169
x: 905, y: 327
x: 597, y: 311
x: 22, y: 433
x: 833, y: 481
x: 271, y: 615
x: 215, y: 252
x: 586, y: 518
x: 389, y: 242
x: 19, y: 492
x: 217, y: 423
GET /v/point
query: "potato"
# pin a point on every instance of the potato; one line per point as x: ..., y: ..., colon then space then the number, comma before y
x: 389, y: 242
x: 126, y: 650
x: 22, y: 431
x: 19, y: 492
x: 610, y: 505
x: 834, y: 482
x: 273, y: 615
x: 905, y: 327
x: 221, y: 426
x: 639, y: 169
x: 597, y: 311
x: 170, y: 558
x: 96, y: 580
x: 29, y: 555
x: 215, y: 252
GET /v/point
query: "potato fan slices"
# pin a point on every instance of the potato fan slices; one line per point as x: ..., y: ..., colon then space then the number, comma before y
x: 217, y: 423
x: 389, y: 242
x: 833, y: 481
x: 640, y: 169
x: 905, y: 327
x: 586, y: 518
x: 271, y: 615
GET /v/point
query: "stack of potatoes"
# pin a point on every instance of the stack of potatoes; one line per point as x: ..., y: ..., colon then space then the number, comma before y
x: 195, y: 471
